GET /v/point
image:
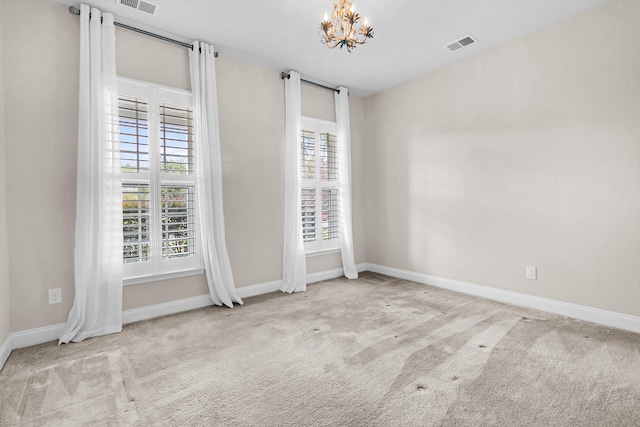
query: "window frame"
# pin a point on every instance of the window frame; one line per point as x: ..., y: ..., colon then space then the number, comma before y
x: 320, y: 246
x: 158, y: 268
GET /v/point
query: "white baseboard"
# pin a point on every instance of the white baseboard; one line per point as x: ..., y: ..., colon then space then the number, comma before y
x: 5, y: 350
x: 274, y: 286
x: 259, y: 289
x: 37, y: 335
x: 324, y: 275
x: 589, y: 314
x: 331, y: 274
x: 165, y: 308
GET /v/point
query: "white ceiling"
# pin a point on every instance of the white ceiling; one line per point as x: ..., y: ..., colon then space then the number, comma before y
x: 409, y: 40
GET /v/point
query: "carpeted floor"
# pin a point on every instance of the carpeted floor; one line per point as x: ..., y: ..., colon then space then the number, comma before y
x: 376, y: 351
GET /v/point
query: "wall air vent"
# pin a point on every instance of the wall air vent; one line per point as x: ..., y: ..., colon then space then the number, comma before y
x: 460, y: 43
x: 141, y: 5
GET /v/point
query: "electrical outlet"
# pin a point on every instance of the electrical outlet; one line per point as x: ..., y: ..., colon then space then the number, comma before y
x: 532, y: 273
x: 55, y: 296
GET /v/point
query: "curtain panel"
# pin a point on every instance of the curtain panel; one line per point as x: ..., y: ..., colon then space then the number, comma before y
x: 344, y: 182
x: 294, y: 270
x: 209, y: 176
x: 97, y: 305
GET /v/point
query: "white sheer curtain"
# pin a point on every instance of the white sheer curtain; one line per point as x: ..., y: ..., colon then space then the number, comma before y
x: 344, y: 189
x: 294, y: 269
x: 97, y: 306
x: 209, y: 176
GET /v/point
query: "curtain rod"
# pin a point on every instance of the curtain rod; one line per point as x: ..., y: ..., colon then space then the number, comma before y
x: 284, y: 75
x: 75, y: 11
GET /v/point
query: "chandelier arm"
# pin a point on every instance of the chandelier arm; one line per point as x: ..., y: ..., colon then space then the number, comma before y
x: 335, y: 43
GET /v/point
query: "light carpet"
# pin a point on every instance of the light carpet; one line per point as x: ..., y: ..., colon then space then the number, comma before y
x: 376, y: 351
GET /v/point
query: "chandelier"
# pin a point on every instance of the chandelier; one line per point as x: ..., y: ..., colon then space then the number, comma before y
x: 342, y: 29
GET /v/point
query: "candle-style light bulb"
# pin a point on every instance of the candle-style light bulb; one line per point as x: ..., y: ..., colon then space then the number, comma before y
x: 326, y: 17
x: 364, y: 22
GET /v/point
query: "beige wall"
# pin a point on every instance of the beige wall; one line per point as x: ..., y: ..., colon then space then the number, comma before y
x: 148, y: 59
x: 5, y: 290
x: 41, y: 88
x: 527, y: 154
x: 317, y: 102
x: 251, y: 113
x: 40, y: 60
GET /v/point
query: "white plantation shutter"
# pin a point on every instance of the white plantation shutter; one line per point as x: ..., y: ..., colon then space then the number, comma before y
x: 134, y: 158
x: 178, y: 221
x: 308, y: 156
x: 330, y: 214
x: 158, y: 180
x: 309, y: 215
x: 176, y: 140
x: 319, y: 201
x: 178, y: 217
x: 328, y: 156
x: 308, y: 199
x: 136, y: 219
x: 329, y: 183
x: 134, y: 134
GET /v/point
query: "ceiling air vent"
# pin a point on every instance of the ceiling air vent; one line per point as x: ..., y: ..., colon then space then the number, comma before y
x: 141, y: 5
x: 459, y: 44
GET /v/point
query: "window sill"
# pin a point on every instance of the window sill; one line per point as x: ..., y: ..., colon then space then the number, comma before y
x: 320, y: 252
x: 158, y: 277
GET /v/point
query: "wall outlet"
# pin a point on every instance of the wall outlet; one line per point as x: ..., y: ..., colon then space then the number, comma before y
x: 55, y: 296
x: 532, y: 273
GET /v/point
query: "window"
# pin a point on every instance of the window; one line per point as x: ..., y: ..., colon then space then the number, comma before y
x: 320, y: 209
x: 158, y: 180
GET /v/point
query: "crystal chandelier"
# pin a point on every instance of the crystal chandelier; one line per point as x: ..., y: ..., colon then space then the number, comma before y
x: 342, y: 29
